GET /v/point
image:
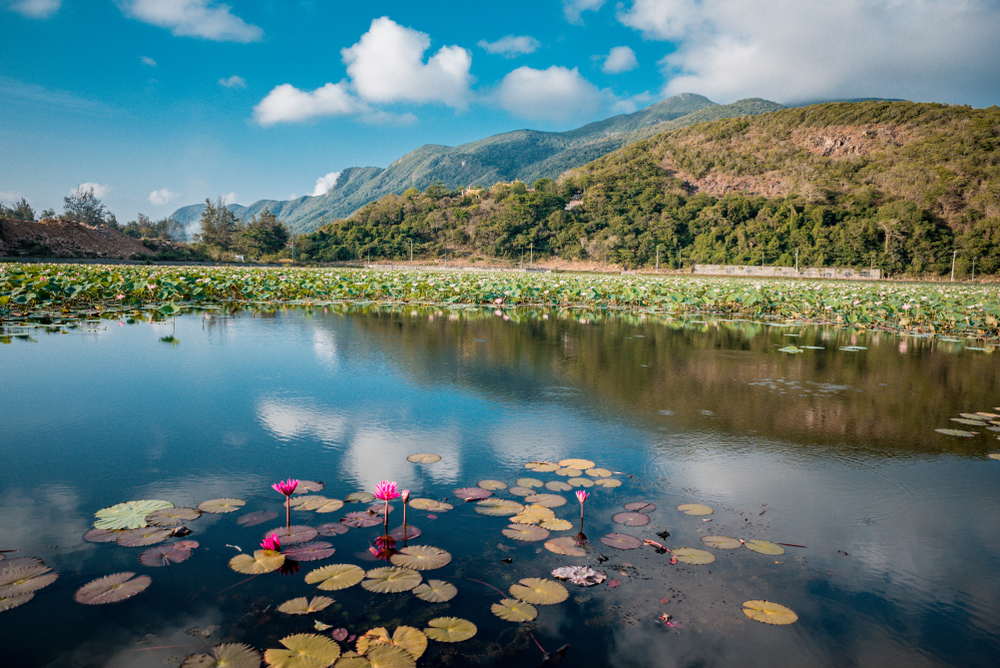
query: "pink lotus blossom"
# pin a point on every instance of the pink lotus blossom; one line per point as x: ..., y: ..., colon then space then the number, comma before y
x: 386, y: 490
x: 581, y: 495
x: 272, y: 542
x: 119, y: 297
x: 405, y: 495
x: 286, y: 487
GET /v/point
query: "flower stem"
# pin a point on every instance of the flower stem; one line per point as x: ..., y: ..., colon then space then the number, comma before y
x: 288, y: 513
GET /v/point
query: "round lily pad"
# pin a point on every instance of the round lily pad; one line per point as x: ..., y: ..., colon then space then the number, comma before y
x: 102, y: 535
x: 529, y: 482
x: 321, y: 504
x: 228, y: 655
x: 450, y: 629
x: 622, y: 541
x: 472, y: 493
x: 608, y: 482
x: 303, y: 606
x: 424, y: 458
x: 640, y: 507
x: 14, y: 601
x: 764, y: 547
x: 499, y: 507
x: 261, y: 561
x: 565, y: 545
x: 566, y: 471
x: 435, y: 591
x: 391, y: 579
x: 695, y: 509
x: 361, y: 519
x: 521, y: 491
x: 539, y: 591
x: 409, y: 533
x: 331, y: 529
x: 128, y: 515
x: 974, y: 423
x: 769, y: 613
x: 492, y: 484
x: 579, y: 482
x: 558, y: 486
x: 525, y: 532
x: 172, y: 517
x: 631, y: 519
x: 581, y: 464
x: 956, y: 432
x: 312, y: 551
x: 430, y: 504
x: 335, y: 576
x: 305, y: 486
x: 421, y: 558
x: 691, y: 555
x: 111, y: 588
x: 18, y: 581
x: 533, y: 514
x: 412, y: 640
x: 547, y: 500
x: 220, y: 506
x: 359, y: 497
x: 721, y: 542
x: 993, y: 455
x: 305, y: 650
x: 556, y: 524
x: 297, y: 533
x: 164, y: 555
x: 259, y: 517
x: 19, y: 562
x: 389, y: 656
x: 143, y: 537
x: 599, y: 473
x: 542, y: 467
x: 514, y: 610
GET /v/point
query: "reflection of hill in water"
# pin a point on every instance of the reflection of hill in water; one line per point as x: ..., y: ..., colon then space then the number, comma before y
x: 726, y: 376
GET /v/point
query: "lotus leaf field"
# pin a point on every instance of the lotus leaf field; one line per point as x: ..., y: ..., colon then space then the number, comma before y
x: 53, y: 291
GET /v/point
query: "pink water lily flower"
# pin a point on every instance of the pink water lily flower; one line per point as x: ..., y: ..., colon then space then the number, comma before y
x: 286, y: 487
x: 581, y: 495
x: 272, y: 542
x: 386, y: 490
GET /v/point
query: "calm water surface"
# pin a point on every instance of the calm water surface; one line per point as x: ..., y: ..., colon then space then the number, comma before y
x: 834, y: 450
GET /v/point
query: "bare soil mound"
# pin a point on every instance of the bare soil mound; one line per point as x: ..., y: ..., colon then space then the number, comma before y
x: 66, y: 238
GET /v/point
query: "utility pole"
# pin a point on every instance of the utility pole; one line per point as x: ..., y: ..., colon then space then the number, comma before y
x: 953, y: 256
x: 531, y: 258
x: 973, y: 270
x: 522, y: 257
x: 796, y: 260
x: 411, y: 252
x: 657, y: 258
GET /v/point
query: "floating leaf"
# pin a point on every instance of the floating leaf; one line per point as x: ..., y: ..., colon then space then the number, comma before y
x: 579, y: 482
x: 492, y: 484
x: 143, y: 537
x: 764, y: 547
x: 412, y: 640
x: 514, y: 610
x: 769, y: 613
x: 331, y: 529
x: 956, y: 432
x: 521, y: 491
x: 352, y: 660
x: 721, y: 542
x: 305, y: 650
x: 525, y: 532
x: 320, y: 626
x: 853, y: 349
x: 542, y: 467
x: 313, y: 551
x: 172, y: 517
x: 499, y: 507
x: 164, y: 555
x: 694, y: 509
x: 529, y: 482
x: 450, y: 629
x: 640, y: 507
x: 579, y: 575
x: 372, y: 637
x: 411, y: 532
x: 993, y: 455
x: 361, y: 519
x: 259, y: 517
x: 19, y: 562
x: 128, y: 515
x: 547, y: 500
x: 111, y: 588
x: 229, y: 655
x: 539, y: 591
x: 622, y: 541
x: 568, y: 472
x: 430, y: 504
x: 435, y: 591
x: 599, y: 473
x: 533, y: 514
x: 321, y: 504
x: 581, y: 464
x: 305, y: 486
x: 608, y: 482
x: 261, y: 561
x: 691, y: 555
x: 974, y: 423
x: 18, y: 581
x: 221, y: 506
x: 14, y: 601
x: 421, y: 558
x: 335, y: 576
x: 631, y: 519
x: 304, y: 606
x: 424, y: 458
x: 565, y: 545
x: 297, y: 533
x: 472, y: 493
x: 391, y: 579
x: 556, y: 524
x: 558, y: 486
x: 389, y: 656
x: 359, y: 497
x: 102, y: 535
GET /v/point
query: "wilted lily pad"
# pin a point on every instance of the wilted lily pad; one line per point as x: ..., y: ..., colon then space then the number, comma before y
x: 579, y: 575
x: 261, y: 561
x: 539, y: 591
x: 172, y: 517
x: 435, y: 591
x: 335, y: 576
x: 565, y: 545
x: 764, y: 547
x: 111, y: 588
x: 229, y: 655
x: 259, y: 517
x: 721, y: 542
x: 313, y: 551
x: 391, y: 579
x: 221, y: 506
x: 492, y: 484
x: 164, y: 555
x: 499, y: 507
x: 691, y: 555
x: 622, y: 541
x: 359, y: 497
x: 631, y: 519
x: 525, y: 532
x: 303, y: 606
x: 18, y: 581
x: 450, y: 629
x: 143, y: 537
x: 547, y: 500
x: 305, y: 650
x: 472, y: 493
x: 421, y: 557
x: 581, y: 464
x: 424, y: 458
x: 297, y: 533
x: 695, y: 509
x: 558, y: 486
x: 514, y: 610
x: 128, y: 515
x: 769, y: 613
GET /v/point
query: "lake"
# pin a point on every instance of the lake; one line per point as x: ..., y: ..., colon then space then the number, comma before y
x: 889, y: 528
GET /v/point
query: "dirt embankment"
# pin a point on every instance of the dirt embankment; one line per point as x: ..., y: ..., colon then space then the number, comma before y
x: 66, y: 239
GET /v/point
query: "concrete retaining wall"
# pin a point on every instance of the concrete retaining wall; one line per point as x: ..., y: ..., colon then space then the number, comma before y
x: 787, y: 272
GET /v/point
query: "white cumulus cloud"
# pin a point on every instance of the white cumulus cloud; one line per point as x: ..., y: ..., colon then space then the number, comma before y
x: 386, y: 65
x: 555, y: 94
x: 511, y: 45
x: 233, y: 82
x: 324, y: 183
x: 146, y: 60
x: 99, y: 190
x: 162, y: 196
x: 797, y: 50
x: 36, y: 9
x: 573, y: 9
x: 229, y: 198
x: 193, y: 18
x: 619, y: 59
x: 288, y: 104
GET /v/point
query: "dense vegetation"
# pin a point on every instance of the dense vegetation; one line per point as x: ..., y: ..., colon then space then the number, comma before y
x: 905, y: 188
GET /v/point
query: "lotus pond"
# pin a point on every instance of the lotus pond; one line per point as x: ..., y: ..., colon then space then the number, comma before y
x: 224, y: 486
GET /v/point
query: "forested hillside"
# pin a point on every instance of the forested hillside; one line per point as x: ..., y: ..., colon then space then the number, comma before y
x: 897, y: 185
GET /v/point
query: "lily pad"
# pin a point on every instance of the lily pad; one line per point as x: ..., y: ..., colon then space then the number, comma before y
x: 558, y: 486
x: 431, y: 504
x: 622, y: 541
x: 359, y: 497
x: 102, y: 535
x: 313, y: 551
x: 721, y: 542
x: 539, y: 591
x: 521, y: 491
x: 297, y: 533
x: 305, y: 486
x: 556, y: 524
x: 579, y: 482
x: 993, y: 455
x: 450, y: 629
x: 499, y: 507
x: 547, y: 500
x: 228, y: 655
x: 305, y: 650
x: 143, y: 537
x: 321, y: 504
x: 128, y: 515
x: 514, y: 610
x: 492, y: 484
x: 691, y: 555
x: 790, y: 349
x: 424, y: 458
x: 172, y: 517
x: 391, y: 579
x: 974, y: 423
x: 421, y: 558
x: 261, y: 561
x: 361, y: 519
x: 640, y: 507
x: 542, y: 467
x: 599, y: 473
x: 956, y: 432
x: 335, y: 576
x: 764, y: 547
x: 412, y: 640
x: 472, y: 493
x: 435, y: 591
x: 164, y: 555
x: 259, y: 517
x: 581, y: 464
x: 411, y: 532
x: 221, y: 506
x: 111, y: 588
x: 331, y: 529
x: 529, y: 482
x: 565, y: 545
x: 579, y: 575
x: 608, y: 482
x: 389, y: 656
x: 695, y: 509
x: 769, y: 613
x: 14, y: 601
x: 304, y: 606
x: 631, y: 519
x: 18, y: 581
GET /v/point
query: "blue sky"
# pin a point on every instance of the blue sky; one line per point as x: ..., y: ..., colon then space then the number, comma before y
x: 162, y: 103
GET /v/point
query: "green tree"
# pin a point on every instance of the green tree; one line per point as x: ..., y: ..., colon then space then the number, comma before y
x: 219, y: 226
x: 263, y: 236
x: 20, y: 211
x: 83, y: 206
